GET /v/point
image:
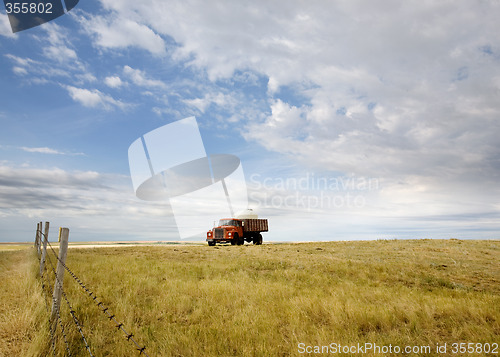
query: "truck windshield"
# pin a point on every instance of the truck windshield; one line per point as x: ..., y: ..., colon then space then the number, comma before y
x: 229, y: 222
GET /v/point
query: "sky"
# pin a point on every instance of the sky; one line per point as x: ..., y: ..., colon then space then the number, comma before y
x: 351, y: 119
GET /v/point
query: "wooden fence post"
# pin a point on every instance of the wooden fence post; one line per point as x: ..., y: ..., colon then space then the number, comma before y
x: 45, y: 238
x: 58, y: 284
x: 36, y: 234
x: 37, y: 237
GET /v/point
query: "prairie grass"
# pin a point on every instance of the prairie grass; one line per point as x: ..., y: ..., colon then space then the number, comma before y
x: 23, y: 314
x: 15, y: 246
x: 265, y: 300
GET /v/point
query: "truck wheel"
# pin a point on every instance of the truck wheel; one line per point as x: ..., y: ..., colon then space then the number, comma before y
x: 211, y: 244
x: 257, y: 240
x: 236, y: 239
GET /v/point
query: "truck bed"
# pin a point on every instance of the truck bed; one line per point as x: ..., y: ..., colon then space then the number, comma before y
x: 255, y: 225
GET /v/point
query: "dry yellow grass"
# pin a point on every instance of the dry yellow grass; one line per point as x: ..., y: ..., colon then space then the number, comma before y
x: 267, y: 300
x: 15, y: 246
x: 23, y: 317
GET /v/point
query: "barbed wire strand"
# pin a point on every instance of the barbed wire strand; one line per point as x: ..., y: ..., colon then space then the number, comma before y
x: 71, y: 311
x: 59, y: 319
x: 52, y: 331
x: 45, y: 299
x: 48, y: 298
x: 100, y: 305
x: 63, y: 334
x: 45, y: 288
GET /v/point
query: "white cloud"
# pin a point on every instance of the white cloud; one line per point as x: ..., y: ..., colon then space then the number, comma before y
x: 20, y: 70
x: 32, y: 69
x: 60, y: 53
x: 58, y: 46
x: 113, y: 81
x: 60, y: 65
x: 94, y: 98
x: 166, y: 111
x: 42, y: 150
x: 28, y: 177
x: 139, y: 78
x: 89, y: 98
x: 118, y: 32
x: 219, y: 99
x: 46, y: 150
x: 406, y: 93
x: 86, y: 77
x: 92, y: 204
x: 22, y: 62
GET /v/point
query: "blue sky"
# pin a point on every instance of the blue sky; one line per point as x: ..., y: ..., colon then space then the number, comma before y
x: 316, y: 99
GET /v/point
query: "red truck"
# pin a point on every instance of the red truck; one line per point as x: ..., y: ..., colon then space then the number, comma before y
x: 237, y: 231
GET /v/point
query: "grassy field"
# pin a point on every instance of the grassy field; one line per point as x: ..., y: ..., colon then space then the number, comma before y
x: 22, y: 311
x: 269, y: 300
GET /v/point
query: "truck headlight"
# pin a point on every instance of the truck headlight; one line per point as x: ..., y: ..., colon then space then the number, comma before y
x: 209, y: 234
x: 229, y: 234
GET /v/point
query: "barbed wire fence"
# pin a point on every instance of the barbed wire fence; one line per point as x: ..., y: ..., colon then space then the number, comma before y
x: 53, y: 274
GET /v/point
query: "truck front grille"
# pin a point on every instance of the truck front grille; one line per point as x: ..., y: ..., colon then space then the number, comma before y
x: 219, y: 233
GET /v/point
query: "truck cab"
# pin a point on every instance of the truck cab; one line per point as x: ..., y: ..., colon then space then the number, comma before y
x: 228, y: 230
x: 236, y: 231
